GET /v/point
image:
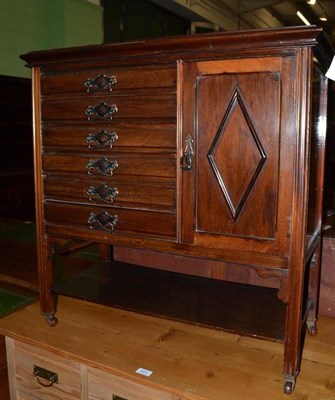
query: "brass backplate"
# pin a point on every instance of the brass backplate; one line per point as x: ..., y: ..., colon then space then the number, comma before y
x: 45, y: 374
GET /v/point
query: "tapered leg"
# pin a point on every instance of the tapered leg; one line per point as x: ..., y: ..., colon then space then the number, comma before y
x: 313, y: 290
x: 293, y: 329
x: 48, y: 300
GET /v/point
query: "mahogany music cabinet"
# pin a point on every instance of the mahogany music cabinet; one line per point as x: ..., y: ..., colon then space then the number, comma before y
x: 206, y: 148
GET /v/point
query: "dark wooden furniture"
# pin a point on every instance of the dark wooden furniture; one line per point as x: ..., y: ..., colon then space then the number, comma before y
x: 16, y: 147
x: 209, y: 147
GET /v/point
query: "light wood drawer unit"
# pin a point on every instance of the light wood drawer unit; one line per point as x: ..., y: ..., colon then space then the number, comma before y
x: 76, y: 380
x: 21, y: 361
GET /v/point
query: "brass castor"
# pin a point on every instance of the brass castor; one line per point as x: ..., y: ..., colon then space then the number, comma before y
x: 51, y: 319
x: 312, y: 329
x: 289, y: 383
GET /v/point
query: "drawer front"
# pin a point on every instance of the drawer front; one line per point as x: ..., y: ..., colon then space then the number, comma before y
x: 109, y: 108
x: 115, y: 191
x: 155, y: 224
x: 105, y: 80
x: 114, y: 165
x: 103, y: 386
x: 69, y: 381
x: 102, y: 136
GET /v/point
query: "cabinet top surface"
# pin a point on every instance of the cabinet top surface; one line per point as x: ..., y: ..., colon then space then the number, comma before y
x: 178, y: 46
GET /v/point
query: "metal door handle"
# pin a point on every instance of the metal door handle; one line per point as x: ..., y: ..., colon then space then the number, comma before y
x: 186, y: 160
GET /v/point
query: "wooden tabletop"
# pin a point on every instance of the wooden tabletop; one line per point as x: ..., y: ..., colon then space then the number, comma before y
x: 190, y: 361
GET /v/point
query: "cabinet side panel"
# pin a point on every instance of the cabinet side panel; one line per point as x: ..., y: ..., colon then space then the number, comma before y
x: 317, y: 153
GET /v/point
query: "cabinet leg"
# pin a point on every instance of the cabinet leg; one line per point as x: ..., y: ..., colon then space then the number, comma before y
x: 313, y: 290
x: 289, y: 384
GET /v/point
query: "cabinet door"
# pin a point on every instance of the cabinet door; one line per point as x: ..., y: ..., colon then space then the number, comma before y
x: 236, y: 191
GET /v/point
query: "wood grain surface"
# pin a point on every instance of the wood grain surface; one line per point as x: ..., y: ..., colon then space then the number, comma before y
x: 188, y: 361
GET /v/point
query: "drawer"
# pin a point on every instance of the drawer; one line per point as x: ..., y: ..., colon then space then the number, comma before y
x: 109, y: 108
x: 146, y: 223
x: 114, y: 165
x: 103, y: 386
x: 69, y: 380
x: 127, y: 191
x: 102, y: 80
x: 102, y: 136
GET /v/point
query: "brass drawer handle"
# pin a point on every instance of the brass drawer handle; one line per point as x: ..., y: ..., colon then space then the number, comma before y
x: 100, y: 83
x: 103, y: 221
x: 41, y: 373
x: 101, y: 111
x: 102, y: 166
x: 102, y: 139
x: 102, y: 192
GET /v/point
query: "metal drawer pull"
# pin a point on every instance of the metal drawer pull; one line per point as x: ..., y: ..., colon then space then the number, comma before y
x: 101, y: 111
x: 41, y: 373
x: 100, y: 83
x: 187, y: 157
x: 102, y: 139
x: 102, y: 221
x: 102, y: 166
x: 103, y: 192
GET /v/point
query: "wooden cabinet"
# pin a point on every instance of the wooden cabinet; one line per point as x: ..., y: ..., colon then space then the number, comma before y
x: 209, y: 149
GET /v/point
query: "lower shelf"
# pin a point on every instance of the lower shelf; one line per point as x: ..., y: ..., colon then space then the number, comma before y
x: 244, y: 309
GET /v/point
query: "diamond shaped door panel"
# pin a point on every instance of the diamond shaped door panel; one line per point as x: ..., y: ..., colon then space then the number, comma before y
x: 235, y: 140
x: 238, y: 133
